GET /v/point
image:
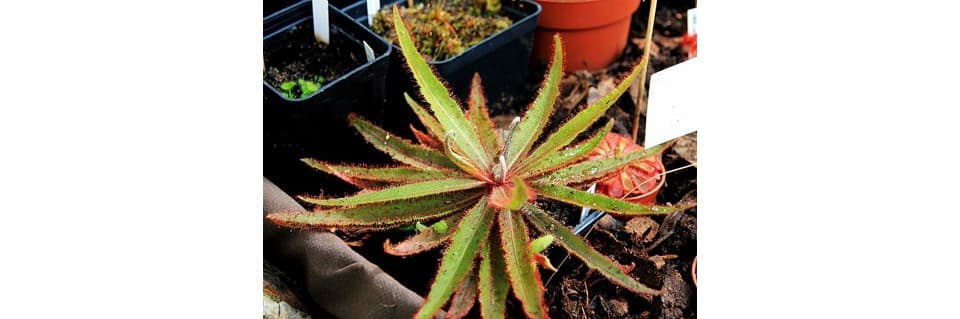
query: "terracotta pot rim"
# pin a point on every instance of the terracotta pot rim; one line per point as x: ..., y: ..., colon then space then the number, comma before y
x: 570, y: 14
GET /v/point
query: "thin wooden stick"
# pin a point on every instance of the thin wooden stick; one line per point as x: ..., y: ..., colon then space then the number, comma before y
x: 643, y: 75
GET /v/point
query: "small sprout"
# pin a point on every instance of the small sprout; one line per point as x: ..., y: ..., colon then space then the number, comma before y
x: 421, y: 227
x: 440, y: 227
x: 539, y: 244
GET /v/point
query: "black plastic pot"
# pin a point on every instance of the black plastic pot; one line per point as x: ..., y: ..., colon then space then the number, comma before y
x: 502, y: 60
x: 316, y: 126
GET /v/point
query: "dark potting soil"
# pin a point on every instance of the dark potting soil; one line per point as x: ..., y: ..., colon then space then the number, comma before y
x: 302, y: 57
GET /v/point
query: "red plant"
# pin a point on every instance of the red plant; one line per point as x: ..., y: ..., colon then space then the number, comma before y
x: 636, y: 182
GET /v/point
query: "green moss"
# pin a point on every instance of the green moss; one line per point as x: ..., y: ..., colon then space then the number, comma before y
x: 444, y: 29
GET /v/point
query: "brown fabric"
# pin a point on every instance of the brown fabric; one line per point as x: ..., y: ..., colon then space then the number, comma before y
x: 338, y: 279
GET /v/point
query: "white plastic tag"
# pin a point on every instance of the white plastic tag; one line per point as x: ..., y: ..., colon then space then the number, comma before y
x: 321, y: 21
x: 368, y: 51
x: 372, y: 7
x: 692, y: 21
x: 672, y: 107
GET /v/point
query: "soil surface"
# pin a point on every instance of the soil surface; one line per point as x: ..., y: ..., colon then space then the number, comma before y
x: 302, y: 57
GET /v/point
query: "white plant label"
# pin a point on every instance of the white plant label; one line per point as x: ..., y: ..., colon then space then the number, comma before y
x: 372, y: 7
x: 692, y: 21
x: 321, y: 21
x: 368, y: 51
x: 672, y: 107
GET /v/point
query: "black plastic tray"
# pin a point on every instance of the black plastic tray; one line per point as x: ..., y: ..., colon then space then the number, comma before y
x: 316, y: 126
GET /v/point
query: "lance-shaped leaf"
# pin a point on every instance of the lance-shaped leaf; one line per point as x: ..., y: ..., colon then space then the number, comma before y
x: 425, y: 139
x: 423, y: 241
x: 399, y: 148
x: 521, y: 268
x: 444, y: 107
x: 532, y: 123
x: 478, y: 115
x: 579, y: 248
x: 406, y: 191
x: 568, y: 155
x: 464, y: 298
x: 381, y: 215
x: 599, y: 202
x: 453, y: 154
x: 580, y: 122
x: 361, y: 176
x: 458, y: 258
x: 493, y: 280
x: 590, y: 170
x: 429, y: 122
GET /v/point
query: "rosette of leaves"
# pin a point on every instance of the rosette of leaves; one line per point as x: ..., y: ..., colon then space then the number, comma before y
x: 483, y: 185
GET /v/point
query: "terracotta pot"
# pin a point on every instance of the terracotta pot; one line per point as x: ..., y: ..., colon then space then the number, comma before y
x: 594, y: 32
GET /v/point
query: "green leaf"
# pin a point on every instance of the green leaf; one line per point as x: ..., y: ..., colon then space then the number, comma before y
x: 446, y: 109
x: 533, y: 122
x: 568, y: 155
x: 594, y: 169
x: 521, y: 267
x: 287, y: 86
x: 458, y: 258
x: 440, y: 227
x: 399, y: 148
x: 423, y: 241
x: 453, y: 154
x: 464, y: 297
x: 580, y: 122
x: 599, y: 202
x: 406, y: 191
x: 387, y: 214
x: 308, y: 87
x: 521, y: 194
x: 361, y: 176
x: 478, y: 115
x: 420, y: 227
x: 429, y: 122
x: 579, y: 248
x: 493, y: 280
x: 541, y: 243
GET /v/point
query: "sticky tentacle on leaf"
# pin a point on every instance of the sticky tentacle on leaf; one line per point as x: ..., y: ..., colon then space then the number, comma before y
x: 578, y: 247
x: 359, y: 175
x: 388, y: 214
x: 599, y: 202
x: 478, y: 114
x: 405, y: 191
x: 535, y: 119
x: 399, y: 148
x: 459, y: 257
x: 493, y: 282
x: 444, y: 107
x: 580, y: 122
x: 568, y: 155
x: 429, y: 122
x: 422, y: 241
x: 521, y: 267
x: 595, y: 169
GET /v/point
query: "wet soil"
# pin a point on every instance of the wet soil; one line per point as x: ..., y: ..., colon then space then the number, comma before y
x: 302, y: 57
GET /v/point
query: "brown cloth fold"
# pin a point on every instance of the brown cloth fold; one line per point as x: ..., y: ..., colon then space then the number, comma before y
x: 339, y: 280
